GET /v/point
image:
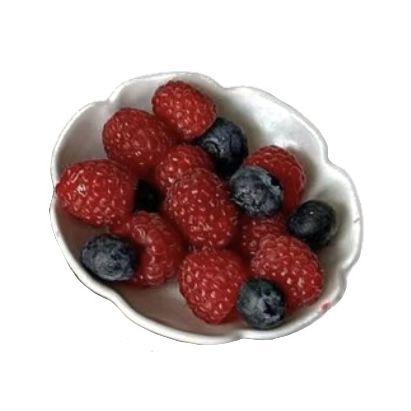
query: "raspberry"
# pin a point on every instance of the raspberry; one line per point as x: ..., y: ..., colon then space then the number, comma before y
x: 210, y: 280
x: 292, y: 266
x: 98, y: 192
x: 198, y: 203
x: 122, y: 228
x: 178, y: 161
x: 162, y: 247
x: 253, y: 229
x: 285, y: 166
x: 184, y: 108
x: 137, y: 139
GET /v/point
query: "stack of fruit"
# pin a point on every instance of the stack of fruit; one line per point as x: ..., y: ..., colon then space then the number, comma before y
x: 181, y: 197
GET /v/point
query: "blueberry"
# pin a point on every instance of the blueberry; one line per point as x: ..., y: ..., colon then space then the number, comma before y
x: 256, y: 191
x: 146, y: 197
x: 109, y: 258
x: 314, y: 222
x: 261, y: 304
x: 226, y: 144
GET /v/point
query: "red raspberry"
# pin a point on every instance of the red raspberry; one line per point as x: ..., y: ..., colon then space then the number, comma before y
x: 178, y: 161
x: 286, y: 167
x: 162, y: 247
x: 98, y: 192
x: 210, y: 280
x: 122, y: 228
x: 184, y: 108
x: 253, y: 229
x: 137, y: 139
x: 292, y: 266
x: 199, y: 205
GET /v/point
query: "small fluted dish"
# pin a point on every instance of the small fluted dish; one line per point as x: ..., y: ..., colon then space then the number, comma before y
x: 265, y: 120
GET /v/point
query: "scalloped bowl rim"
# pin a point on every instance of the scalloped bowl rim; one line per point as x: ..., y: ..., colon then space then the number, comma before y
x: 169, y: 331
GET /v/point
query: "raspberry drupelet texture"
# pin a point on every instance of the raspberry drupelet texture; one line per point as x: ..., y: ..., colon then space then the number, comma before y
x: 180, y: 160
x: 199, y: 204
x: 98, y: 192
x: 137, y: 139
x: 251, y: 230
x: 183, y: 108
x: 160, y: 245
x: 292, y: 267
x: 210, y: 280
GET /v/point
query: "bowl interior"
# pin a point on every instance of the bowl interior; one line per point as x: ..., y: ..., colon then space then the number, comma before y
x: 265, y: 120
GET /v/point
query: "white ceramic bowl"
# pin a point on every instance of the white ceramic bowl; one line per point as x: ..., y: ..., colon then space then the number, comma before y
x: 266, y: 120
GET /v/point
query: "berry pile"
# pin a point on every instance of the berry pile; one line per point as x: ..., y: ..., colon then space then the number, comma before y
x: 180, y: 196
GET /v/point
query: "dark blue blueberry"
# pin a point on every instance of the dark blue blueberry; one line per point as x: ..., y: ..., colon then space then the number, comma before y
x: 109, y: 258
x: 146, y: 198
x: 261, y: 304
x: 256, y: 191
x: 313, y: 222
x: 226, y: 145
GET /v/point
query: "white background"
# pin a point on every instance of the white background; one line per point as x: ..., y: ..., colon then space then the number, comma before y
x: 345, y: 65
